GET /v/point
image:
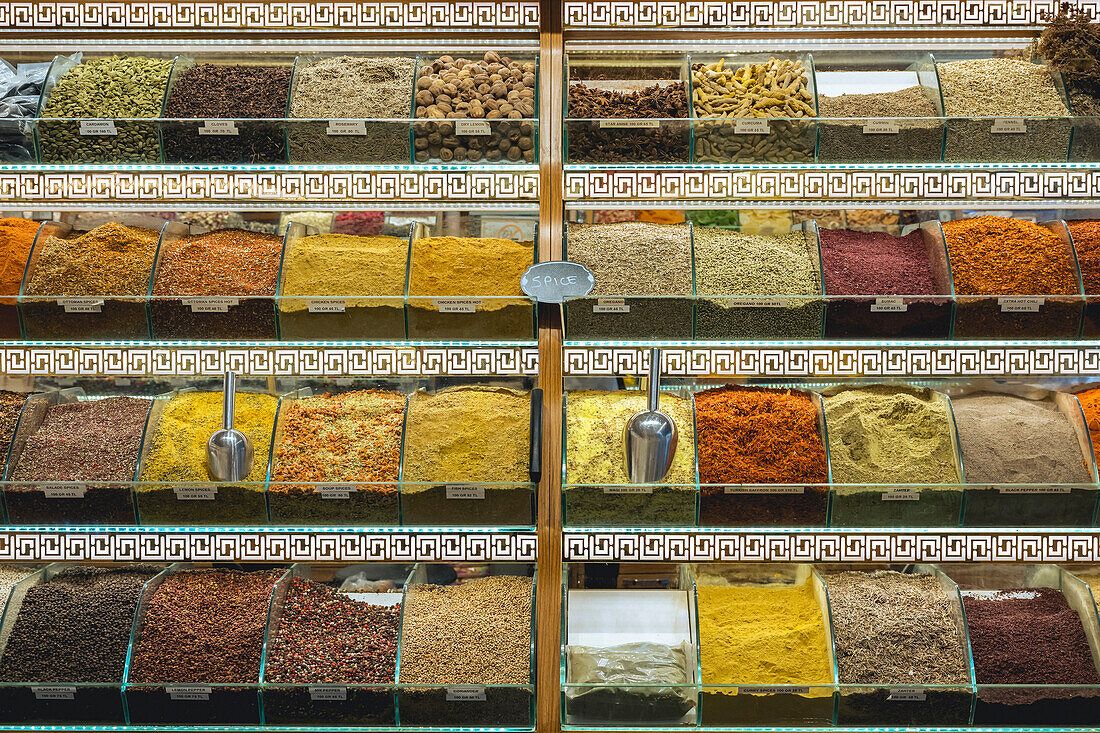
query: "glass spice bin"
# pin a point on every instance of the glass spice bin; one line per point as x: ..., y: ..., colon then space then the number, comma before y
x: 63, y: 502
x: 61, y: 702
x: 64, y: 316
x: 629, y: 651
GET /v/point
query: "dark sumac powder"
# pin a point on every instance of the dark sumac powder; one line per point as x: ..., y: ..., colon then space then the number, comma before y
x: 1030, y: 636
x: 212, y: 92
x: 881, y: 265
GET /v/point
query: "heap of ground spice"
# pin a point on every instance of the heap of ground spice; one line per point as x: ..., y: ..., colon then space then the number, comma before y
x: 750, y: 435
x: 1090, y: 403
x: 1086, y: 240
x: 996, y: 255
x: 16, y: 238
x: 875, y: 263
x: 222, y: 262
x: 113, y: 259
x: 348, y: 437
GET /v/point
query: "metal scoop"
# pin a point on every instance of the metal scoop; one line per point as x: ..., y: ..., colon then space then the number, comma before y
x: 650, y: 435
x: 229, y: 452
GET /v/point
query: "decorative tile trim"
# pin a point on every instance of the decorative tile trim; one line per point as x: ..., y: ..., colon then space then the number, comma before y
x: 595, y: 14
x: 826, y: 546
x: 261, y: 546
x: 814, y: 183
x: 837, y: 361
x: 127, y: 361
x: 265, y: 16
x: 281, y: 185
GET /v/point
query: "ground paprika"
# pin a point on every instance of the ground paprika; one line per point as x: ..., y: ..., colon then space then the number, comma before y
x: 1086, y: 240
x: 755, y: 435
x: 16, y: 238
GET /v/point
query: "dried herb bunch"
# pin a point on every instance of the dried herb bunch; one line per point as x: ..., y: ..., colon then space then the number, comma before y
x: 1071, y: 44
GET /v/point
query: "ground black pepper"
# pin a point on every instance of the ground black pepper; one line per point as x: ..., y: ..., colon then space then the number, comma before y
x: 213, y: 92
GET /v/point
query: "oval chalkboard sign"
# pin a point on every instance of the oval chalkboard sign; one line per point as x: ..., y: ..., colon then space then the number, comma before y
x: 553, y: 282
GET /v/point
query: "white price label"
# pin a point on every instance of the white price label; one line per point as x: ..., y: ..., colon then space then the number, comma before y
x: 62, y: 490
x: 473, y: 127
x: 328, y: 692
x: 457, y: 305
x: 1035, y: 489
x: 196, y: 492
x: 628, y: 489
x: 906, y: 694
x: 771, y: 690
x: 751, y: 126
x: 216, y: 304
x: 889, y: 305
x: 1020, y: 305
x: 54, y: 692
x: 98, y: 127
x: 901, y: 495
x: 326, y: 305
x: 465, y: 693
x: 81, y: 305
x: 218, y: 127
x: 123, y: 381
x: 188, y: 692
x: 344, y: 381
x: 629, y: 124
x: 743, y: 489
x: 465, y: 491
x: 1008, y: 126
x: 610, y: 305
x: 347, y: 127
x: 335, y: 491
x: 881, y: 127
x: 754, y: 302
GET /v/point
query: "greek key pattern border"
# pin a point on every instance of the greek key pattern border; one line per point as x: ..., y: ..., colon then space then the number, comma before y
x: 128, y: 361
x: 266, y: 16
x: 623, y: 14
x: 802, y: 546
x: 281, y: 185
x: 290, y: 546
x: 837, y: 361
x: 817, y: 183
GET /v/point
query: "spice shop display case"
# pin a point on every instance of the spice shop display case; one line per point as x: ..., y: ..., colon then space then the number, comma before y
x: 173, y: 487
x: 596, y: 490
x: 748, y: 702
x: 335, y: 315
x: 490, y: 304
x: 629, y: 653
x: 1002, y: 139
x: 472, y: 701
x: 155, y: 703
x: 219, y: 317
x: 329, y: 700
x: 744, y: 501
x: 62, y: 501
x: 878, y: 137
x: 893, y: 703
x: 895, y: 315
x: 1046, y: 705
x: 58, y: 702
x: 1040, y: 504
x: 895, y: 505
x: 73, y: 138
x: 64, y: 316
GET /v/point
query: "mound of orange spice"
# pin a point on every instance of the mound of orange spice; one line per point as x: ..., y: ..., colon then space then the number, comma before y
x: 996, y: 255
x: 751, y: 435
x: 1090, y: 404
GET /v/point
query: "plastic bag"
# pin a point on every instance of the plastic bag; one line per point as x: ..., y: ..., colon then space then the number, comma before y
x: 20, y: 88
x: 640, y: 663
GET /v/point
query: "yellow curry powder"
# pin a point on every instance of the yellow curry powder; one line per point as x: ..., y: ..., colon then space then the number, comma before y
x: 189, y: 419
x: 469, y: 266
x: 345, y: 265
x: 762, y: 635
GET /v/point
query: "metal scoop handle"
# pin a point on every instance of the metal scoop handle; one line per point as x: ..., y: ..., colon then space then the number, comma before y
x: 654, y: 386
x: 229, y: 391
